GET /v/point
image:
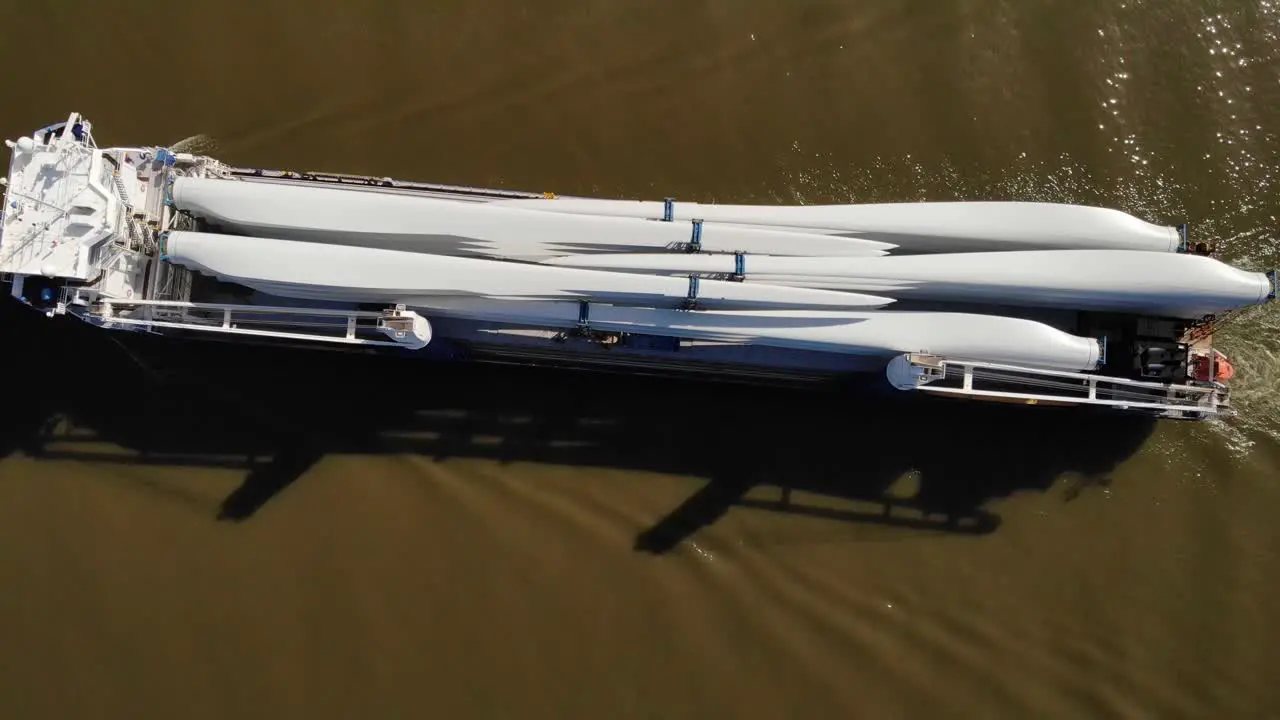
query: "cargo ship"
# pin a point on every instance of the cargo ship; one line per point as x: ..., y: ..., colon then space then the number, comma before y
x: 1016, y: 302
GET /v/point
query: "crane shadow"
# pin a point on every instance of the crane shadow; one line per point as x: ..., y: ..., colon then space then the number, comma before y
x: 274, y: 413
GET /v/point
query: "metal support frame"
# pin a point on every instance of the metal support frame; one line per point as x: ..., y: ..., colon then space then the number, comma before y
x: 695, y: 238
x: 691, y: 298
x: 405, y: 328
x: 923, y: 372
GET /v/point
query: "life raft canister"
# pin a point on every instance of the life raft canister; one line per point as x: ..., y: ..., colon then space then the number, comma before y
x: 1223, y: 370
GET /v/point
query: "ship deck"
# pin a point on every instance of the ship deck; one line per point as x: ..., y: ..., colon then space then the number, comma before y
x: 137, y: 288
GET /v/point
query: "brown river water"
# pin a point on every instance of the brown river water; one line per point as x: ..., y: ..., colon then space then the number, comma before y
x: 226, y: 532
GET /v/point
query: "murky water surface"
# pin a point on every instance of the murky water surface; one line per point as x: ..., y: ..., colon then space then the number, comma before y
x: 246, y: 534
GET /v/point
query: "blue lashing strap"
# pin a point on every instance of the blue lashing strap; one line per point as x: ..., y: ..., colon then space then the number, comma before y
x: 1102, y: 351
x: 739, y: 266
x: 584, y: 314
x: 1274, y: 277
x: 163, y: 242
x: 668, y: 209
x: 695, y: 240
x: 1184, y: 244
x: 168, y: 191
x: 691, y: 300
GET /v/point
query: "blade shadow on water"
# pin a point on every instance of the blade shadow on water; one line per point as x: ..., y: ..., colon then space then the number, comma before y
x: 275, y: 413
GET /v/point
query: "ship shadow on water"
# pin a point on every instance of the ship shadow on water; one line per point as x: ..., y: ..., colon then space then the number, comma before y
x: 275, y: 413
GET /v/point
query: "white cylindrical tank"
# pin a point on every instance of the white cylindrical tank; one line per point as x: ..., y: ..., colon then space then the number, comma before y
x: 1161, y: 284
x: 913, y: 226
x: 956, y: 336
x: 392, y: 221
x: 358, y: 274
